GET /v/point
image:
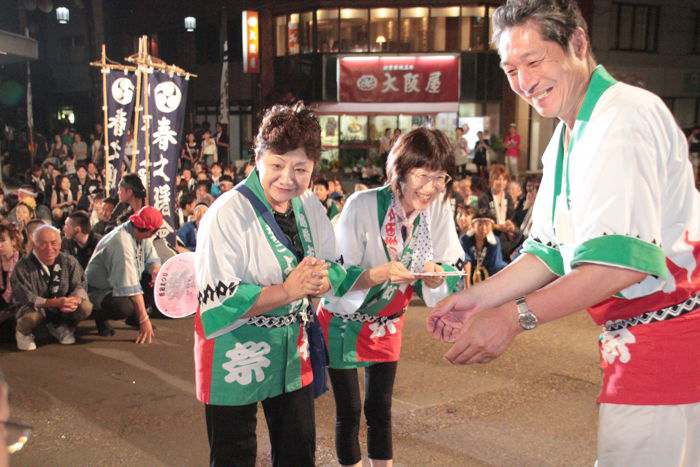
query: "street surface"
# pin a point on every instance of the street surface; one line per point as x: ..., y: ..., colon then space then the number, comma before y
x: 108, y: 401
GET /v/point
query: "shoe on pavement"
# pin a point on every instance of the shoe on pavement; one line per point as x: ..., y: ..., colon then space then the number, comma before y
x: 62, y: 333
x: 104, y: 329
x: 24, y: 341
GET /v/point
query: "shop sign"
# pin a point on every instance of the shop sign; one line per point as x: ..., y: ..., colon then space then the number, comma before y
x: 409, y: 78
x: 251, y: 42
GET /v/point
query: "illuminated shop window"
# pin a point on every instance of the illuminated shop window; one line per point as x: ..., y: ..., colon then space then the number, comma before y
x: 444, y: 27
x: 383, y: 29
x: 414, y: 29
x: 281, y: 35
x: 327, y: 30
x: 474, y: 28
x: 353, y: 30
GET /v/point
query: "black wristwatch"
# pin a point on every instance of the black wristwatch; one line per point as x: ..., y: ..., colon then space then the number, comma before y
x: 526, y: 318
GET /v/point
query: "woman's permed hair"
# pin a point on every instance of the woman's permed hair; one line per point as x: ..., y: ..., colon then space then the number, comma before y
x: 286, y: 128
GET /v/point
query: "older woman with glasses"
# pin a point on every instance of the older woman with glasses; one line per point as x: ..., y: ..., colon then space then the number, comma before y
x: 403, y: 236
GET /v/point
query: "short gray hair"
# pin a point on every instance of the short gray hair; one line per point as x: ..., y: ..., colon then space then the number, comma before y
x: 557, y: 19
x: 43, y: 227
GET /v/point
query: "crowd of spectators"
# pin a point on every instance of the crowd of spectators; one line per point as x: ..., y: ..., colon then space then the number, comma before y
x: 61, y: 201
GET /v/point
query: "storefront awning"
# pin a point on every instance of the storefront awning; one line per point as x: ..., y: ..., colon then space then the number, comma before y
x: 16, y: 48
x: 409, y: 108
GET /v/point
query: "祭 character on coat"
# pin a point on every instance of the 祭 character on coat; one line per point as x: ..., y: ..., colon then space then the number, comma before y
x: 615, y: 229
x: 394, y: 233
x: 263, y: 249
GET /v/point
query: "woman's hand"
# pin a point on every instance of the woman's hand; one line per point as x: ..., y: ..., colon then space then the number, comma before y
x: 434, y: 281
x: 310, y: 277
x: 398, y: 274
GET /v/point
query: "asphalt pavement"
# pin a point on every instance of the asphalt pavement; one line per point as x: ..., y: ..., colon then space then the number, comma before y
x: 109, y: 402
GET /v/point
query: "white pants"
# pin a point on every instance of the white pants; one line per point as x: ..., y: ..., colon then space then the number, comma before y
x: 512, y: 166
x: 649, y: 435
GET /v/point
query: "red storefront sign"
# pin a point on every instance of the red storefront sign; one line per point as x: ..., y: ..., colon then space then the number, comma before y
x: 423, y: 78
x: 251, y: 42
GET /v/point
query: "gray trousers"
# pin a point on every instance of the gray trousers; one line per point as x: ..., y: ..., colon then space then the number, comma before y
x: 29, y: 317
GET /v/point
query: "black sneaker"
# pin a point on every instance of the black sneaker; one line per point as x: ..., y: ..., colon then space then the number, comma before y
x: 132, y: 321
x: 104, y: 329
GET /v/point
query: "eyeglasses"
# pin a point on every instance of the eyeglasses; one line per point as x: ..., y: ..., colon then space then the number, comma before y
x: 16, y: 435
x: 440, y: 181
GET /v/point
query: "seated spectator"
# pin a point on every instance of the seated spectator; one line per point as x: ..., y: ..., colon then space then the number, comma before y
x: 359, y: 187
x: 132, y: 197
x: 79, y: 181
x: 215, y: 177
x: 10, y: 248
x: 86, y: 198
x: 24, y: 213
x: 515, y: 191
x: 202, y: 193
x: 186, y: 205
x: 80, y: 149
x: 187, y: 234
x: 29, y: 229
x: 49, y: 286
x: 464, y: 194
x: 3, y: 205
x: 27, y: 195
x: 321, y: 192
x: 463, y: 219
x: 225, y: 183
x: 186, y: 177
x: 499, y: 203
x: 104, y: 214
x: 80, y: 241
x: 57, y: 152
x: 93, y: 173
x: 115, y: 269
x: 203, y: 176
x: 68, y: 165
x: 36, y: 178
x: 482, y: 249
x: 62, y: 202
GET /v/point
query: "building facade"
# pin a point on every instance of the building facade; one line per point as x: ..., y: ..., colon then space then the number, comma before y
x: 366, y: 67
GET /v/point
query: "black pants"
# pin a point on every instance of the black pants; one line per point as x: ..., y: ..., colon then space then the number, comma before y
x: 379, y: 386
x: 114, y: 308
x: 290, y: 422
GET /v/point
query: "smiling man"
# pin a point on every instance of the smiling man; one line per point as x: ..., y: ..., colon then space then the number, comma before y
x: 615, y: 229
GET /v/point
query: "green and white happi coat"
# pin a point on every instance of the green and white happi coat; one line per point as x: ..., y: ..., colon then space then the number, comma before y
x: 237, y: 362
x: 362, y: 233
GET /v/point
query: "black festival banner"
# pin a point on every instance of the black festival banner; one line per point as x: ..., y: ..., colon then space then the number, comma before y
x: 164, y: 117
x: 121, y: 96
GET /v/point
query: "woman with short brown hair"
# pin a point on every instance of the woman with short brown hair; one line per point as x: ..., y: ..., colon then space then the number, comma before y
x: 396, y: 233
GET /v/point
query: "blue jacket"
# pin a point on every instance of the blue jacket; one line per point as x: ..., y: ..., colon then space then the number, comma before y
x: 493, y: 262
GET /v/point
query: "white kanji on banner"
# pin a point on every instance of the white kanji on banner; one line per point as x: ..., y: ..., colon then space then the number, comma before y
x: 164, y: 135
x: 118, y: 122
x: 159, y: 168
x: 161, y: 199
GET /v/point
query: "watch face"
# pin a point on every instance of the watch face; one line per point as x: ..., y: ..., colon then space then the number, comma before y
x: 527, y: 321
